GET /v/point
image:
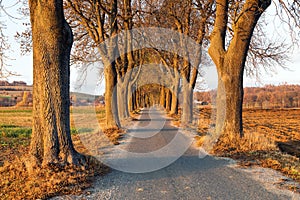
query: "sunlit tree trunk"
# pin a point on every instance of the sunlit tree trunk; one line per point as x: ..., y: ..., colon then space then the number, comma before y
x: 52, y: 41
x: 162, y: 100
x: 111, y: 108
x: 230, y: 62
x: 168, y: 100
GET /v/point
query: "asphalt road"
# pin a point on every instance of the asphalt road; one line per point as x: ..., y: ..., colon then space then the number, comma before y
x: 147, y: 175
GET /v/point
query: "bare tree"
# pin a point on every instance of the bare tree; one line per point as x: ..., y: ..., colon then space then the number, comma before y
x: 99, y: 21
x: 229, y: 49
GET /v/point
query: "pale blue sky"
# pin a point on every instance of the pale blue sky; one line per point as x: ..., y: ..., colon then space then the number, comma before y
x: 23, y: 64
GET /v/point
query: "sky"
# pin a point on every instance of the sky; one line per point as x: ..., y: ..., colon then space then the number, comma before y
x: 23, y: 64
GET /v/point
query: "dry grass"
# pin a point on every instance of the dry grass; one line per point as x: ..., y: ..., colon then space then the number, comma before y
x: 250, y: 142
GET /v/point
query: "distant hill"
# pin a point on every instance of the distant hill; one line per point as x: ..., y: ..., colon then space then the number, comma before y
x: 14, y: 83
x: 269, y: 96
x: 82, y: 99
x: 14, y: 86
x: 83, y: 95
x: 12, y: 94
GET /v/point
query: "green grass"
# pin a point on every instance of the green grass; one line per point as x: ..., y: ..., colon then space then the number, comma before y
x: 16, y: 111
x: 12, y: 135
x: 5, y: 97
x: 14, y: 142
x: 81, y: 130
x: 100, y: 112
x: 8, y: 126
x: 12, y: 131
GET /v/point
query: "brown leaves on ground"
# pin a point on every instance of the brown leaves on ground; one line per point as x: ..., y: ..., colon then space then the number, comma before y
x: 46, y: 182
x: 18, y: 183
x: 114, y: 134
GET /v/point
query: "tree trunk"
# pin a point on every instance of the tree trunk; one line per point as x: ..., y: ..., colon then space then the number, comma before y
x: 229, y: 105
x: 162, y: 100
x: 168, y: 99
x: 230, y: 63
x: 220, y: 105
x: 109, y: 60
x: 122, y: 101
x: 52, y: 41
x: 187, y: 107
x: 137, y: 98
x: 174, y: 103
x: 111, y: 108
x: 130, y: 98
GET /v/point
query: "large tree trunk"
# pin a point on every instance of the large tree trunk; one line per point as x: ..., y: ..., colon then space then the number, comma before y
x: 230, y: 63
x: 52, y: 41
x: 229, y: 104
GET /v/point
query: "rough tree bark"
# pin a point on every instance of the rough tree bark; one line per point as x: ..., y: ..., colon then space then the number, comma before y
x: 230, y: 62
x: 52, y: 41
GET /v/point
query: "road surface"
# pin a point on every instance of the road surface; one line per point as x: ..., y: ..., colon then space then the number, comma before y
x: 188, y: 177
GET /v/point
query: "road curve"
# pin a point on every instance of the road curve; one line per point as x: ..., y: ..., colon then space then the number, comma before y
x: 189, y: 177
